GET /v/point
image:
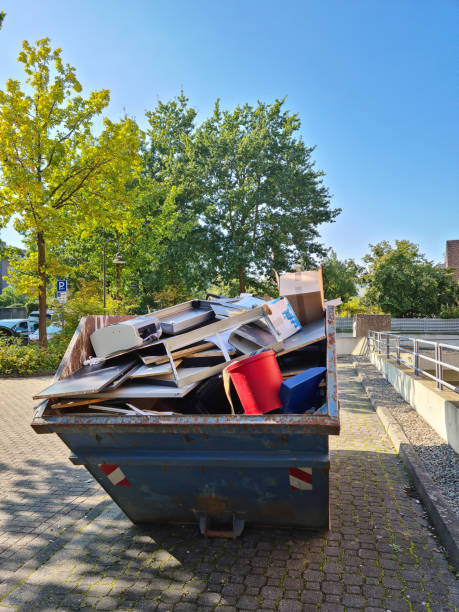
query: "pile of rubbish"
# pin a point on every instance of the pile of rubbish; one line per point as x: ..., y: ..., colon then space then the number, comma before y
x: 242, y: 355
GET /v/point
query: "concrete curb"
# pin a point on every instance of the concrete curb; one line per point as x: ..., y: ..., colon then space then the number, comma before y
x: 442, y: 517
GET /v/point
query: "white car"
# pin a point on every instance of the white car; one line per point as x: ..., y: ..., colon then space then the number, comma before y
x: 51, y: 331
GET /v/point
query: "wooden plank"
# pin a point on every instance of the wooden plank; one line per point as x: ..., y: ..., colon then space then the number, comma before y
x: 140, y: 389
x: 71, y: 404
x: 191, y: 350
x: 153, y: 370
x: 310, y: 333
x: 122, y: 379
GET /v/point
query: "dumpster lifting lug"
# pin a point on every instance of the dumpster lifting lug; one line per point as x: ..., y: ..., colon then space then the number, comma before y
x: 238, y: 527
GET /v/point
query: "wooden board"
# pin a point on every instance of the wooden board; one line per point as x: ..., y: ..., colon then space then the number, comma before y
x: 153, y: 370
x: 310, y: 333
x: 191, y: 350
x: 186, y: 376
x: 86, y: 380
x: 140, y: 389
x: 122, y: 379
x: 71, y: 404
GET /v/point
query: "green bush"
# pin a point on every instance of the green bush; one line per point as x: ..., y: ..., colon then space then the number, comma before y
x: 450, y: 312
x: 18, y: 359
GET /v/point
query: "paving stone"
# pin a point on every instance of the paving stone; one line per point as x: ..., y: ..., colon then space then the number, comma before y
x: 248, y: 603
x: 290, y: 605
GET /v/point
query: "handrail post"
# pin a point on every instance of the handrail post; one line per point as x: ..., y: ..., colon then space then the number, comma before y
x: 416, y: 356
x: 398, y: 350
x: 438, y: 366
x: 387, y: 346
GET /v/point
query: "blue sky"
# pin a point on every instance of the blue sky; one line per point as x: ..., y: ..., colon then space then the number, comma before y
x: 374, y: 83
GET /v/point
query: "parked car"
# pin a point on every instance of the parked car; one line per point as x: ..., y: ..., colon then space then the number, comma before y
x: 35, y: 314
x: 18, y: 328
x: 51, y: 330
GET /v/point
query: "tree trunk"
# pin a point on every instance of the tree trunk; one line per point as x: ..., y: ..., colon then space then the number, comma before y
x: 241, y: 279
x: 41, y: 290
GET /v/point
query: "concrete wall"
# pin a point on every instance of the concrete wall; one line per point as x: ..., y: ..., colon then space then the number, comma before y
x: 18, y: 312
x: 439, y: 408
x: 364, y: 322
x: 346, y: 344
x: 452, y: 256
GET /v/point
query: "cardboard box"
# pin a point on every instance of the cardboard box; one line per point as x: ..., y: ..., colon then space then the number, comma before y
x: 283, y: 317
x: 304, y: 291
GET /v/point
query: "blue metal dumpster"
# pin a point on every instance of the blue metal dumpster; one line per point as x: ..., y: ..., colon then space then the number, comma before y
x: 220, y: 471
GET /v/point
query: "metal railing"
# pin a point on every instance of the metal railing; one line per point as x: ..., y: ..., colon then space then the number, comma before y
x: 393, y: 345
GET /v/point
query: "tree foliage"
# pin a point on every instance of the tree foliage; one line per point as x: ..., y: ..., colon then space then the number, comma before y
x: 56, y: 177
x: 340, y: 278
x: 403, y: 283
x: 248, y: 200
x: 259, y: 197
x: 10, y: 296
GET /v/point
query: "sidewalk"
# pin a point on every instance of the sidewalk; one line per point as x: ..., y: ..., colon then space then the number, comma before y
x: 380, y: 554
x: 42, y: 493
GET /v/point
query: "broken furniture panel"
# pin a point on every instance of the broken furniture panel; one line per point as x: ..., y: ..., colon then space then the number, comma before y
x: 183, y: 317
x: 88, y: 379
x: 174, y: 343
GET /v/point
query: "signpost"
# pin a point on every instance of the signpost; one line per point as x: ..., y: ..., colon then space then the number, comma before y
x: 61, y: 291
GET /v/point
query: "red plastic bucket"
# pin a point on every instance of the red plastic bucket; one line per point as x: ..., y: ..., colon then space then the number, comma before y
x: 257, y: 381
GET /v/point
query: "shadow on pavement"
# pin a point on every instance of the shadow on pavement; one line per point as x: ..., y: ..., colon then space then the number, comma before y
x: 379, y: 549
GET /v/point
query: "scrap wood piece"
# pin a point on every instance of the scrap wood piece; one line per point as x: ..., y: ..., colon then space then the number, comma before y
x: 288, y: 373
x: 119, y: 381
x: 153, y: 370
x: 309, y: 334
x: 183, y: 317
x: 87, y: 380
x: 71, y: 404
x: 144, y: 390
x: 186, y: 376
x: 186, y: 352
x: 262, y: 337
x: 142, y: 371
x: 184, y: 340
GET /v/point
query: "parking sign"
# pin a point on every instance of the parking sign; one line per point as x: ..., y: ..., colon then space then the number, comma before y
x: 61, y: 286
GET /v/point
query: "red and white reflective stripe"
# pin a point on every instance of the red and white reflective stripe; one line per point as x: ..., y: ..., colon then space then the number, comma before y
x: 114, y: 474
x: 300, y: 478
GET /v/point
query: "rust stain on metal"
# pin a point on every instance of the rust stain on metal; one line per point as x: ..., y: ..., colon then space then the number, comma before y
x: 212, y: 504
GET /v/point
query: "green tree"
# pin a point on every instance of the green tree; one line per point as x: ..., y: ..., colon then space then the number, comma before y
x: 340, y: 277
x: 2, y: 17
x: 169, y: 193
x: 54, y: 174
x: 258, y: 197
x: 10, y: 296
x: 403, y: 283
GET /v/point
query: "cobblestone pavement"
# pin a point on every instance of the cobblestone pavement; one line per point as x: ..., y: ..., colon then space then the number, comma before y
x: 42, y: 493
x: 379, y: 555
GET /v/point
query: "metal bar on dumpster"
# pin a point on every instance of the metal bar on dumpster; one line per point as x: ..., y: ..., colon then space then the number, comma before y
x: 196, y: 458
x: 332, y: 383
